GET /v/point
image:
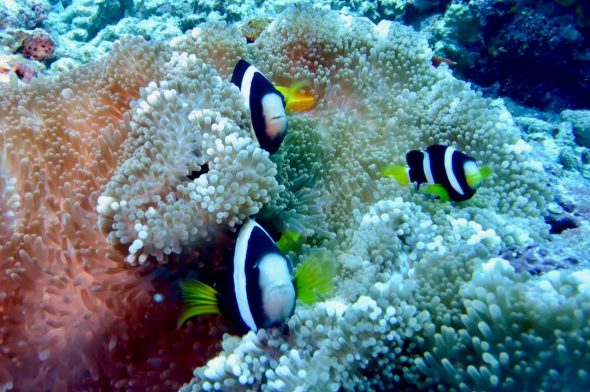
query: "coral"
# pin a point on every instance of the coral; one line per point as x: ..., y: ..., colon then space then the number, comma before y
x: 85, y: 30
x: 38, y: 46
x: 563, y: 252
x: 149, y: 8
x: 408, y: 11
x: 26, y: 14
x: 494, y: 42
x: 574, y: 200
x: 580, y: 120
x: 531, y: 125
x: 568, y: 160
x: 159, y: 28
x: 458, y: 28
x: 81, y: 20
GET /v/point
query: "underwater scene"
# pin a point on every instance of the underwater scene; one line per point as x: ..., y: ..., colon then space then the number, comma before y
x: 387, y: 195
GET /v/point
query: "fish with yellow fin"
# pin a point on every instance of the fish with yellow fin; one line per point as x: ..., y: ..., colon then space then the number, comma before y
x: 269, y: 104
x: 297, y: 101
x: 261, y: 291
x: 448, y: 174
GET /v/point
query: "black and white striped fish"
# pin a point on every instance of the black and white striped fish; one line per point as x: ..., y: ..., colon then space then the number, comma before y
x: 261, y: 290
x: 448, y: 174
x: 269, y: 104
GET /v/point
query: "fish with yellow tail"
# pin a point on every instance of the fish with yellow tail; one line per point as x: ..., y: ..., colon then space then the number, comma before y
x: 261, y: 291
x: 269, y: 104
x: 448, y: 174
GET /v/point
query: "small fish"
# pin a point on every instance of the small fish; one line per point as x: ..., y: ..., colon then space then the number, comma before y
x: 437, y: 60
x: 261, y: 289
x: 254, y: 28
x: 449, y: 174
x: 268, y: 104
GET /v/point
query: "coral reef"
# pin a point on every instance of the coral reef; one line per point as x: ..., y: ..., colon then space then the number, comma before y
x: 563, y: 252
x: 580, y: 120
x: 86, y: 18
x: 146, y: 157
x: 26, y: 14
x: 495, y: 43
x: 21, y: 32
x: 490, y: 42
x: 422, y: 300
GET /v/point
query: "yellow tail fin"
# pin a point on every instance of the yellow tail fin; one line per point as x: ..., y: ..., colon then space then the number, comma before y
x: 314, y: 277
x: 199, y: 298
x: 400, y: 173
x: 297, y: 101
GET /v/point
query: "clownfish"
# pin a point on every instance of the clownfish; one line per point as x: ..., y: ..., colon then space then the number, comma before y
x: 261, y: 290
x: 269, y: 104
x: 448, y: 173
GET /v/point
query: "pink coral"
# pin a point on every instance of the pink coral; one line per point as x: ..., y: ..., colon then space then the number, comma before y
x: 38, y: 46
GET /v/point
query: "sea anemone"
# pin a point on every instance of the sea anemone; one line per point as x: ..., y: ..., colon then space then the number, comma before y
x: 73, y: 315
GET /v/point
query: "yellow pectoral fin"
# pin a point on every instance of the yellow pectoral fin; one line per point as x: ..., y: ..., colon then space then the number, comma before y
x: 314, y: 277
x: 300, y: 103
x: 297, y: 101
x: 283, y: 90
x: 191, y: 312
x: 199, y: 298
x: 289, y: 91
x: 437, y: 190
x: 399, y: 173
x: 289, y: 241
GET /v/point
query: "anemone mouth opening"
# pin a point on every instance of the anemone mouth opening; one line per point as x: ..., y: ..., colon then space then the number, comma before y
x: 197, y: 173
